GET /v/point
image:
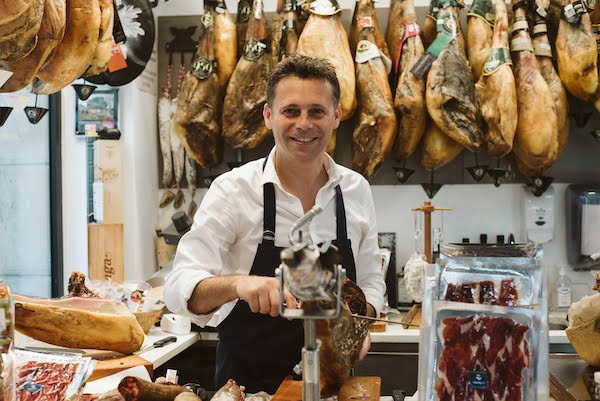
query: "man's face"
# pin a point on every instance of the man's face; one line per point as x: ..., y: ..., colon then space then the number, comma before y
x: 302, y: 117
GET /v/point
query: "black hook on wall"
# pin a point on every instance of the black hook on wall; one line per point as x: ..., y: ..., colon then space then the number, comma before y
x: 182, y: 41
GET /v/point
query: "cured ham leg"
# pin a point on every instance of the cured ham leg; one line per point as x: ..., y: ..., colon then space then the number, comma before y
x: 324, y: 36
x: 543, y: 53
x: 49, y: 36
x: 577, y: 56
x: 354, y: 34
x: 409, y: 100
x: 19, y: 24
x: 480, y: 27
x: 225, y: 43
x: 496, y: 90
x: 438, y: 149
x: 375, y: 129
x: 243, y: 125
x: 450, y: 91
x: 103, y: 51
x: 199, y: 103
x: 535, y: 140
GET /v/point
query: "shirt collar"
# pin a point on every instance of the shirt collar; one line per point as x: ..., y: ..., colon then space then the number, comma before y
x: 331, y: 167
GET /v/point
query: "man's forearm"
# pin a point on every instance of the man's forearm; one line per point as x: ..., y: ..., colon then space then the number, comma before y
x: 211, y: 293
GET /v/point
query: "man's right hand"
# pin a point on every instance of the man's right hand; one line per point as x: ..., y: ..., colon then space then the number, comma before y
x: 262, y: 294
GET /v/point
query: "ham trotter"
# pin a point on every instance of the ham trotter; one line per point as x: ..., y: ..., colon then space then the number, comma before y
x: 243, y: 124
x: 496, y: 90
x: 483, y: 358
x: 375, y: 128
x: 199, y: 103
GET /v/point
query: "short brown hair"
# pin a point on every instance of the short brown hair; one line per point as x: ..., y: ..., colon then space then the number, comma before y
x: 304, y: 67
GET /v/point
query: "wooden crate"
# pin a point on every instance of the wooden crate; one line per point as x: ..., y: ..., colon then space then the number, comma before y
x: 108, y: 166
x: 105, y: 252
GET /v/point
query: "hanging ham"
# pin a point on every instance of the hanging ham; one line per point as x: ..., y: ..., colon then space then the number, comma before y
x: 324, y: 36
x: 19, y: 25
x: 103, y: 52
x: 225, y: 46
x: 375, y: 128
x: 354, y: 34
x: 437, y: 148
x: 75, y: 52
x: 480, y: 27
x: 535, y: 141
x: 543, y: 53
x: 450, y: 90
x: 50, y: 34
x: 199, y: 102
x: 577, y: 55
x: 241, y: 24
x: 409, y: 100
x: 496, y: 90
x: 243, y: 125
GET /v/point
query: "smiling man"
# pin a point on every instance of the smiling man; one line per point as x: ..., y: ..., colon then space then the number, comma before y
x: 226, y: 263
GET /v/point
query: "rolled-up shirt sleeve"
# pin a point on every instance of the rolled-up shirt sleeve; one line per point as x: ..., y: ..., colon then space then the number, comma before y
x: 201, y: 252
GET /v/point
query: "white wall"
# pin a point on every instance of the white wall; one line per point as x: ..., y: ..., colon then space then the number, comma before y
x: 476, y: 208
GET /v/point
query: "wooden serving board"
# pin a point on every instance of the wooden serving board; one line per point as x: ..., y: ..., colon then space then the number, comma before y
x: 354, y: 388
x: 413, y: 317
x: 107, y: 367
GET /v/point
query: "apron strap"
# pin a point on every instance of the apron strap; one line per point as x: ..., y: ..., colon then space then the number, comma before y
x: 340, y: 214
x: 268, y: 209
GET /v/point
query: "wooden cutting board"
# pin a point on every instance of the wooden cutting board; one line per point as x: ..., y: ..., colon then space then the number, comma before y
x: 107, y: 367
x: 354, y: 388
x: 413, y: 317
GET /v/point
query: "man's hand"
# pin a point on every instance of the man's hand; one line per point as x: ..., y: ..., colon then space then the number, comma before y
x: 365, y: 347
x: 262, y: 294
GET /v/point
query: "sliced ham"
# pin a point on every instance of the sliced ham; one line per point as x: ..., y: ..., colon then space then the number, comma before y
x: 199, y: 102
x: 324, y: 36
x: 535, y: 141
x: 225, y: 46
x: 243, y: 124
x: 480, y: 27
x: 450, y: 91
x: 577, y: 56
x: 19, y: 29
x: 496, y: 90
x: 409, y: 100
x: 50, y: 34
x: 75, y: 52
x: 103, y: 52
x: 375, y: 128
x: 437, y: 148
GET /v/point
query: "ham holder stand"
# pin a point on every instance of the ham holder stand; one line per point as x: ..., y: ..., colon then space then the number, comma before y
x: 310, y: 276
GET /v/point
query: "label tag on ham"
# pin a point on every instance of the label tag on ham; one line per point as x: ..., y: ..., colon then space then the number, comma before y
x: 483, y: 9
x: 410, y: 30
x: 478, y: 380
x: 590, y: 4
x: 243, y: 11
x: 497, y: 57
x: 203, y: 67
x: 254, y: 49
x: 574, y: 11
x: 446, y: 28
x: 325, y: 7
x: 366, y: 51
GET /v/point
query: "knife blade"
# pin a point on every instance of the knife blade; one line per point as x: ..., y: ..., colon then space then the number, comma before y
x: 157, y: 344
x: 377, y: 319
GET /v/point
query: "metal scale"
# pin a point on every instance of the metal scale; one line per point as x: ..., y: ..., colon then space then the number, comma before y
x: 310, y: 273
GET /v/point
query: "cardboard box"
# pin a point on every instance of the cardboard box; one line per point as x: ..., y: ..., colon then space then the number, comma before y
x: 105, y: 252
x: 108, y: 166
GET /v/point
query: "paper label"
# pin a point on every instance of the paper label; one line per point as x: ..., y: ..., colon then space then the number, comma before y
x: 483, y: 9
x: 564, y: 297
x: 254, y: 49
x: 366, y: 51
x: 243, y: 11
x: 207, y: 20
x: 203, y: 67
x: 497, y: 57
x: 117, y: 60
x: 447, y: 25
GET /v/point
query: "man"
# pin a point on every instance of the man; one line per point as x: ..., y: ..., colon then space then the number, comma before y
x: 226, y: 262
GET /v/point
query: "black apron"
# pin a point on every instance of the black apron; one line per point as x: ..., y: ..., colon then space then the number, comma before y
x: 258, y: 351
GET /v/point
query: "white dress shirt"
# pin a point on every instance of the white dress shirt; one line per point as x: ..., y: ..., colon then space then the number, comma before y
x: 228, y: 227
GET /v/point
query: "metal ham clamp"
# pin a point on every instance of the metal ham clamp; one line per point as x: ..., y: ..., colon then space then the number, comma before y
x: 310, y: 273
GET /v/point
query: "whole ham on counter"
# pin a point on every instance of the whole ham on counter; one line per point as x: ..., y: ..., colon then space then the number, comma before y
x: 375, y: 128
x: 52, y: 30
x: 199, y: 101
x: 409, y: 99
x: 20, y: 22
x: 78, y: 322
x: 450, y: 89
x: 496, y: 90
x: 536, y: 142
x: 243, y: 124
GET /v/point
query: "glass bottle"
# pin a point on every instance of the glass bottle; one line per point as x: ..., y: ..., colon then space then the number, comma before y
x: 563, y: 290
